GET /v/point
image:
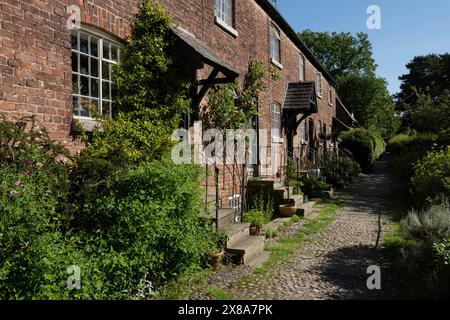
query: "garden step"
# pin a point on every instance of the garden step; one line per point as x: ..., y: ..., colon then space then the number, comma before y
x: 226, y: 217
x: 306, y: 210
x: 298, y: 200
x: 259, y: 260
x: 237, y: 232
x: 248, y: 248
x: 275, y: 224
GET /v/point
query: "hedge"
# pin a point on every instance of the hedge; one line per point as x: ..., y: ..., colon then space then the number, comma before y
x: 365, y: 145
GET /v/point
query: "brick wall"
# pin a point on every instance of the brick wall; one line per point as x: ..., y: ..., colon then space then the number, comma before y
x: 35, y: 54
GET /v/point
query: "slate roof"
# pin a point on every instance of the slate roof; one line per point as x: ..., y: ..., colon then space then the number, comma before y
x: 206, y: 53
x: 301, y: 97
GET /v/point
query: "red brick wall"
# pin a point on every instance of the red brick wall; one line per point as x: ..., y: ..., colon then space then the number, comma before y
x: 35, y: 53
x: 35, y: 56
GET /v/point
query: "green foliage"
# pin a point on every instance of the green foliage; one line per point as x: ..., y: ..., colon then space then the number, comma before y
x: 264, y: 203
x: 231, y: 108
x: 428, y: 74
x: 429, y: 225
x: 340, y: 167
x: 365, y: 145
x: 432, y: 176
x: 428, y: 114
x: 152, y: 89
x: 341, y: 53
x: 256, y: 218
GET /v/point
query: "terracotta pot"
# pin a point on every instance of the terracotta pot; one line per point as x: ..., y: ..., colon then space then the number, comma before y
x: 215, y: 260
x: 255, y: 230
x: 288, y: 210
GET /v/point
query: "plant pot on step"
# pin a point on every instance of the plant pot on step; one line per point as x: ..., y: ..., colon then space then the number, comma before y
x: 215, y: 259
x: 255, y: 230
x: 288, y: 210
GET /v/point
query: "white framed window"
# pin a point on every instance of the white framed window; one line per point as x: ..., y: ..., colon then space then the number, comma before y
x: 93, y: 56
x: 223, y: 10
x: 275, y: 45
x: 330, y: 96
x: 319, y: 84
x: 302, y: 68
x: 276, y: 121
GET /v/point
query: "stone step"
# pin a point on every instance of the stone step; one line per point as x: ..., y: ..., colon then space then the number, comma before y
x: 259, y: 260
x: 236, y: 232
x: 226, y: 217
x: 275, y: 224
x: 307, y: 211
x: 248, y: 248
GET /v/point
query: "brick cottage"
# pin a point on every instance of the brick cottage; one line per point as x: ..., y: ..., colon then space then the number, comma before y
x: 53, y: 73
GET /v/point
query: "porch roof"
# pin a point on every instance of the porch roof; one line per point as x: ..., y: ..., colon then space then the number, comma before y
x: 301, y: 97
x: 204, y: 53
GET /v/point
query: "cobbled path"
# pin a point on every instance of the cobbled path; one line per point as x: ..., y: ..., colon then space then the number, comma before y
x: 333, y: 264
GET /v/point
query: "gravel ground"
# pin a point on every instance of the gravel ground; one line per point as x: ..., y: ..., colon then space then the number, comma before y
x: 333, y: 263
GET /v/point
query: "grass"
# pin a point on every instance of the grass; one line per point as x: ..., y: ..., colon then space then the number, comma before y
x: 184, y: 286
x: 219, y: 294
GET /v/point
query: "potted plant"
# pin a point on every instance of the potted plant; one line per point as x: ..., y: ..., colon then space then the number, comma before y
x: 215, y: 256
x: 257, y: 219
x: 288, y: 209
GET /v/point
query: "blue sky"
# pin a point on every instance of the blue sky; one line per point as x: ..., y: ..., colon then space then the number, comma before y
x: 409, y: 27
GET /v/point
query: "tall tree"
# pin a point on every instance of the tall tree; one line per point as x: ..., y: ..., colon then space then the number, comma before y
x: 342, y: 53
x: 429, y: 74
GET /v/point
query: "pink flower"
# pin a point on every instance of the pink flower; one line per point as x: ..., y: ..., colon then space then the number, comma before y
x: 26, y: 245
x: 27, y: 163
x: 18, y: 183
x: 27, y: 172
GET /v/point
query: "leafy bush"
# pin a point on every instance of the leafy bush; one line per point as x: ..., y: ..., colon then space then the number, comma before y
x: 432, y: 176
x: 365, y: 145
x: 340, y: 166
x: 256, y: 218
x: 430, y: 225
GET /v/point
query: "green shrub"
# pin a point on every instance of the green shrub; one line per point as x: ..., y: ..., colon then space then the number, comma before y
x: 430, y: 225
x: 256, y: 218
x: 432, y: 176
x: 365, y: 145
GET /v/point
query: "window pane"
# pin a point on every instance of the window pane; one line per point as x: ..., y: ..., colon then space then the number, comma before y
x: 94, y: 67
x: 105, y: 70
x: 94, y: 47
x: 84, y: 43
x: 84, y: 107
x: 74, y: 40
x: 84, y: 86
x: 74, y: 62
x: 106, y: 108
x: 114, y: 53
x: 76, y: 110
x: 75, y: 86
x: 105, y: 90
x: 94, y: 88
x: 84, y: 64
x: 106, y: 50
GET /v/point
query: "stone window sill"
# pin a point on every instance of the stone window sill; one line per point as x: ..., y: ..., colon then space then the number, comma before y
x: 276, y: 64
x: 86, y: 124
x: 226, y: 27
